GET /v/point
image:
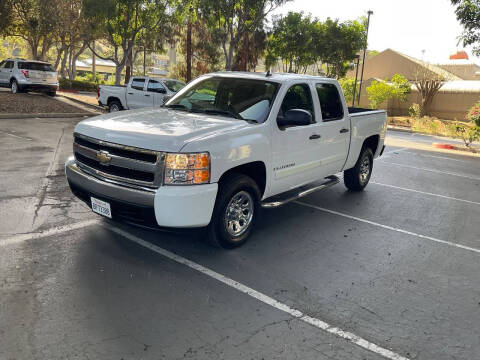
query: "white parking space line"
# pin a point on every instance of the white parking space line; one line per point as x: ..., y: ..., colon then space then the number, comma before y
x: 53, y: 231
x: 393, y: 151
x: 432, y: 170
x: 320, y: 324
x: 425, y: 193
x: 430, y: 238
x: 434, y: 156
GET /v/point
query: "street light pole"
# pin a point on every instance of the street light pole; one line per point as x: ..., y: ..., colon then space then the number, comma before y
x: 370, y: 12
x: 357, y: 65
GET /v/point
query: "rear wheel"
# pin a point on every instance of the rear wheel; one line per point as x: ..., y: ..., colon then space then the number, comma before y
x: 114, y: 106
x: 14, y: 88
x: 357, y: 178
x: 235, y: 211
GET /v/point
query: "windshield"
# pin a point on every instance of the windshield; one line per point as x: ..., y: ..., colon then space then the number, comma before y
x: 239, y: 98
x: 174, y: 86
x: 35, y: 66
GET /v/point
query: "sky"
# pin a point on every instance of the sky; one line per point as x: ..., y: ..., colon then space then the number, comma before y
x: 407, y: 26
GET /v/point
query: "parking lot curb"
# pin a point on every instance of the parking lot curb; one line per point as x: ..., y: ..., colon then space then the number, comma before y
x: 85, y: 104
x: 45, y: 115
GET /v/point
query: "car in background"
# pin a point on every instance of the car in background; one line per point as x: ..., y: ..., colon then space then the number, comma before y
x: 141, y: 91
x: 22, y: 75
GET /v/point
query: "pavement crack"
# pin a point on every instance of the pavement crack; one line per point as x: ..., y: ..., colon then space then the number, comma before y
x: 46, y: 180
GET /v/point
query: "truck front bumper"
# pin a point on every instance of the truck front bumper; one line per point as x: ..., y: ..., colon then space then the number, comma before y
x: 167, y: 206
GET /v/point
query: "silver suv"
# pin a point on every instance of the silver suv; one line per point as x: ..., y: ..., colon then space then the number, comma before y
x: 24, y: 75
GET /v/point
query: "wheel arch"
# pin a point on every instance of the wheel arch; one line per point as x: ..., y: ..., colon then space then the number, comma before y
x: 372, y: 142
x: 255, y: 170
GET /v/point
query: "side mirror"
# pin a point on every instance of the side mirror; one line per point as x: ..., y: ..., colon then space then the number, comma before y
x: 295, y: 117
x: 161, y: 90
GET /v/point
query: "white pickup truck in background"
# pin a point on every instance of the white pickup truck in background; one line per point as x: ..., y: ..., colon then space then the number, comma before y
x: 140, y: 92
x: 224, y: 146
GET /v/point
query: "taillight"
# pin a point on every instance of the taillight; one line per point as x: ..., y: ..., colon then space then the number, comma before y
x: 25, y: 73
x: 98, y: 92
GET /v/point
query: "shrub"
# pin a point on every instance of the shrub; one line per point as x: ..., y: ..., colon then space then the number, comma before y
x: 474, y: 114
x: 468, y: 134
x: 66, y: 84
x: 381, y: 91
x: 415, y: 110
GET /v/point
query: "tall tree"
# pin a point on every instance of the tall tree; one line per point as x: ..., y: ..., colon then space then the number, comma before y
x: 120, y: 23
x: 231, y: 20
x: 468, y: 13
x: 72, y: 36
x: 35, y: 21
x: 292, y: 41
x: 338, y: 44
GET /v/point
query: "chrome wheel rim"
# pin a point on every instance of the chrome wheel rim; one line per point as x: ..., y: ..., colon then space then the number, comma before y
x: 14, y: 87
x: 239, y: 213
x: 114, y: 108
x: 364, y: 169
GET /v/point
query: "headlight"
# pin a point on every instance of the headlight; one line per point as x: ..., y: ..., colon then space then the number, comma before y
x: 187, y: 169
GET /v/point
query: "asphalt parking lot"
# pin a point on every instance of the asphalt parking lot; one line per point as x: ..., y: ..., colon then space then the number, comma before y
x: 392, y: 272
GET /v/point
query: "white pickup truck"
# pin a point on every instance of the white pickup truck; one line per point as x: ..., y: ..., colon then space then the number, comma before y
x: 224, y: 146
x: 140, y: 92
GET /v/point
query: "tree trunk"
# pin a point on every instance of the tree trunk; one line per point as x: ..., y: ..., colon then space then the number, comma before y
x: 118, y: 73
x: 63, y: 68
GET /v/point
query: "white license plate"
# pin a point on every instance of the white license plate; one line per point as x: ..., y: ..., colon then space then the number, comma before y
x: 101, y: 207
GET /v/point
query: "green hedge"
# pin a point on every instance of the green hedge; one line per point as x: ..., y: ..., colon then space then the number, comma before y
x: 66, y: 84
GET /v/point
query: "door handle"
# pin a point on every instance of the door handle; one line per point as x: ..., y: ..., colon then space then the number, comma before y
x: 344, y: 131
x: 130, y: 93
x: 147, y: 95
x: 315, y: 136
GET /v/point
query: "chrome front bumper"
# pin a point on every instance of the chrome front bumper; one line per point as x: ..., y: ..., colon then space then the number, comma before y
x: 95, y: 186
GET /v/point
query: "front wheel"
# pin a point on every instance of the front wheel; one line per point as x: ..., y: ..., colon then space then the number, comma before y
x: 357, y: 178
x: 235, y: 211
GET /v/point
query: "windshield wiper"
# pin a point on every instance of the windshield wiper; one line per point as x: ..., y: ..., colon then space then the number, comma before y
x: 223, y: 112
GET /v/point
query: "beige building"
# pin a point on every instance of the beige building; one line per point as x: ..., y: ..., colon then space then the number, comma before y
x: 460, y: 92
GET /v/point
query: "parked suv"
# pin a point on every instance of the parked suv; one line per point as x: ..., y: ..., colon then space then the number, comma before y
x: 25, y: 75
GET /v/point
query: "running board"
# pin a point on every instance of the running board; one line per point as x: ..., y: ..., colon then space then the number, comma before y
x: 292, y: 195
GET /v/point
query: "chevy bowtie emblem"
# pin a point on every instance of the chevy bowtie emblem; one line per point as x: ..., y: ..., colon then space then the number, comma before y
x: 103, y: 157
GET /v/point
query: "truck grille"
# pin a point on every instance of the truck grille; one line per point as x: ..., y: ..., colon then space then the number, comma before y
x: 119, y: 163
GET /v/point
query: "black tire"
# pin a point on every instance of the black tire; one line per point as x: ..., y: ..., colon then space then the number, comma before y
x: 14, y: 87
x: 52, y: 93
x: 356, y: 179
x: 114, y: 106
x: 233, y: 187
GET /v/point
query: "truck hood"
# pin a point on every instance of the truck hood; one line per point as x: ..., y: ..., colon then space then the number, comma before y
x: 157, y: 129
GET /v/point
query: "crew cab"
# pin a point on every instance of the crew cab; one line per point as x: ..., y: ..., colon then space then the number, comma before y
x: 140, y: 92
x: 224, y: 146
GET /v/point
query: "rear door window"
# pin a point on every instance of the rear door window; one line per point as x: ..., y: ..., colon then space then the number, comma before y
x: 35, y: 66
x: 138, y: 84
x: 9, y: 65
x: 330, y: 102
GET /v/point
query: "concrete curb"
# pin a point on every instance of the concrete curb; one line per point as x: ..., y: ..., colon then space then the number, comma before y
x: 45, y: 115
x: 403, y: 129
x: 80, y: 102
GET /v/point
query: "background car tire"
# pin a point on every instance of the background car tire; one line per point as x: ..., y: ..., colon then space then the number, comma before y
x: 14, y: 88
x: 114, y: 106
x: 52, y: 93
x: 233, y: 187
x: 355, y: 178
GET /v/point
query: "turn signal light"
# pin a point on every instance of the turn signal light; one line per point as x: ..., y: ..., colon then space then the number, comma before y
x: 187, y: 169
